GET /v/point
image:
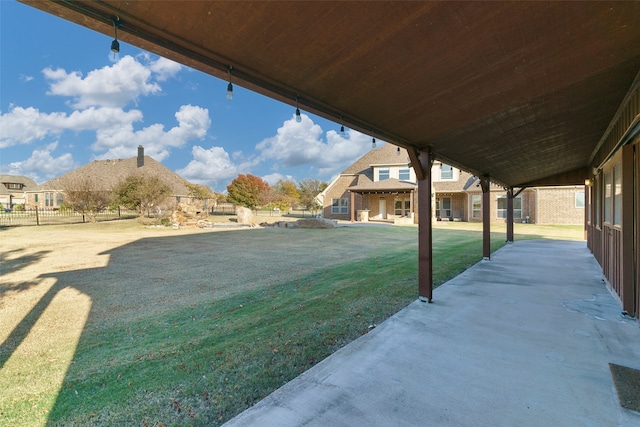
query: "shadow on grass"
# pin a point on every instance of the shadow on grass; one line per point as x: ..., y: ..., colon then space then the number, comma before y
x: 20, y: 332
x: 12, y: 261
x: 194, y: 329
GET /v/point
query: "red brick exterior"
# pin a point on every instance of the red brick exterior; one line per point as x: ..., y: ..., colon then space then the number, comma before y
x: 541, y: 205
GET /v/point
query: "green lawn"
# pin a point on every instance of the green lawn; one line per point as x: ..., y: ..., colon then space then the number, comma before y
x: 240, y: 315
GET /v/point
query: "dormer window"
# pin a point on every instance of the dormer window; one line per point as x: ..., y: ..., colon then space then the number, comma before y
x: 14, y: 186
x: 383, y: 173
x: 404, y: 174
x: 446, y: 172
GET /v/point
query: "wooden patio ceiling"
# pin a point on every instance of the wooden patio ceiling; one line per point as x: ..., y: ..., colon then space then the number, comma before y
x: 522, y: 91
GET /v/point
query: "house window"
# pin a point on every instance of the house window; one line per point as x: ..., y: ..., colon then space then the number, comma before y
x: 617, y: 195
x: 402, y: 206
x: 36, y: 198
x: 502, y: 207
x: 404, y: 174
x: 579, y: 199
x: 60, y: 199
x: 476, y: 206
x: 597, y: 201
x: 443, y: 207
x: 446, y: 172
x: 607, y: 196
x: 48, y: 199
x: 13, y: 186
x: 340, y: 206
x: 383, y: 173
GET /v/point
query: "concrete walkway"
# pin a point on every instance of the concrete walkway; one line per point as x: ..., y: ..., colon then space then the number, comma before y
x: 522, y: 340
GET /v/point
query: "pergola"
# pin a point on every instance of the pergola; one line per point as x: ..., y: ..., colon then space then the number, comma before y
x: 517, y: 93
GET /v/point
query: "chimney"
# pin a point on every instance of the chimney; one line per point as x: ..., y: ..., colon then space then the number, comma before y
x: 140, y: 156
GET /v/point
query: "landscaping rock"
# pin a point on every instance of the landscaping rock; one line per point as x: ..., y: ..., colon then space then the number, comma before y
x: 188, y: 213
x: 316, y: 223
x: 245, y: 215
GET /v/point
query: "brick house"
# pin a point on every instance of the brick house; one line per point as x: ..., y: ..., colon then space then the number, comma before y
x: 381, y: 186
x: 106, y: 175
x: 13, y: 190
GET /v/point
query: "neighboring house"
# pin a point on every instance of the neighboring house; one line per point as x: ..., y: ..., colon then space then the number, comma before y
x: 13, y: 190
x: 106, y: 175
x: 381, y: 185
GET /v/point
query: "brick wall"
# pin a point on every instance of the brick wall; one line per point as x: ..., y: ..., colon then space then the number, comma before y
x: 339, y: 190
x: 557, y: 205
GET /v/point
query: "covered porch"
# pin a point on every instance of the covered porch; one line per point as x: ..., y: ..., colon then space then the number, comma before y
x: 388, y: 200
x: 478, y: 86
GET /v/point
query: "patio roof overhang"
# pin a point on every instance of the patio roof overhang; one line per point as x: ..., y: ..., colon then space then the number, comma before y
x: 386, y: 186
x: 520, y: 91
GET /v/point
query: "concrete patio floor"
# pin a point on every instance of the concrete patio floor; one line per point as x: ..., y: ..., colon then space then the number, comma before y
x: 524, y: 339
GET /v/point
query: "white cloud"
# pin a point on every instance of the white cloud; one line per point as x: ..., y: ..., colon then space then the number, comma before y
x: 111, y: 86
x: 42, y: 165
x: 212, y: 167
x: 273, y: 178
x: 120, y: 141
x: 297, y: 144
x: 25, y: 125
x: 25, y: 78
x: 164, y: 68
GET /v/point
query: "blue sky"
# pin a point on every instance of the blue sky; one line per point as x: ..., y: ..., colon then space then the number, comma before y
x: 66, y: 100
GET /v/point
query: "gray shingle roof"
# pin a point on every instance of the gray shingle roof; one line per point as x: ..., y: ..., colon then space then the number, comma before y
x: 28, y: 183
x: 106, y: 174
x: 364, y: 184
x: 385, y: 155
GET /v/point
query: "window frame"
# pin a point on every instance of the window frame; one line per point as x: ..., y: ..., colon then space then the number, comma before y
x: 617, y: 194
x: 501, y: 213
x: 579, y: 204
x: 449, y: 172
x: 406, y: 172
x: 478, y: 198
x: 339, y: 206
x: 440, y: 209
x: 607, y: 196
x: 405, y: 206
x: 387, y: 173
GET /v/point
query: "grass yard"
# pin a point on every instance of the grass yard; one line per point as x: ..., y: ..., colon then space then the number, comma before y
x: 117, y: 324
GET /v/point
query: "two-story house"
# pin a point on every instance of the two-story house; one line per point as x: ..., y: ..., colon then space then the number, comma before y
x: 381, y: 186
x: 13, y: 190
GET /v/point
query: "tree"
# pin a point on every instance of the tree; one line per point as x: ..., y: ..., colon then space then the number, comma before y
x: 202, y: 193
x: 199, y: 192
x: 141, y: 193
x: 284, y: 195
x: 249, y: 191
x: 84, y: 196
x: 308, y: 189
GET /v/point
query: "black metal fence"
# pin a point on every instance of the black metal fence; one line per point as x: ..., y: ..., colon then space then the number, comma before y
x: 50, y: 216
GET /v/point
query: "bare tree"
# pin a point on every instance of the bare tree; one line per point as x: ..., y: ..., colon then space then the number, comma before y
x: 85, y: 196
x: 308, y: 189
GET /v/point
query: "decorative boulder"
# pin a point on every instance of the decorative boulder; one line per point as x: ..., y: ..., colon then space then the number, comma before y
x: 245, y: 216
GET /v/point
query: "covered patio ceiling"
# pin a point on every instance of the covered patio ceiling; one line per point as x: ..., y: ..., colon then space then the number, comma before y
x: 522, y: 91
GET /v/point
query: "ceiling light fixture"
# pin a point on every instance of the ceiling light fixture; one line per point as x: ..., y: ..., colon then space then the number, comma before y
x: 298, y: 117
x: 373, y: 142
x: 229, y: 86
x: 398, y: 152
x: 342, y: 134
x: 115, y: 45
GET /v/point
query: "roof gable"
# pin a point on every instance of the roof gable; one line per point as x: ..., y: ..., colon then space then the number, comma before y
x: 18, y: 179
x: 107, y: 174
x: 385, y: 155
